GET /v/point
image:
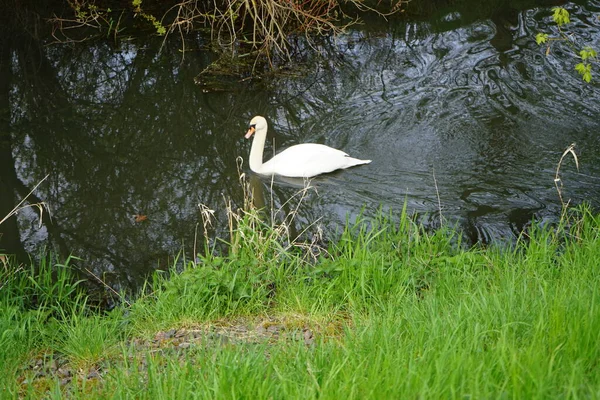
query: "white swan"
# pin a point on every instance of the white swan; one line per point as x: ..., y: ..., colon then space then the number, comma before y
x: 299, y: 161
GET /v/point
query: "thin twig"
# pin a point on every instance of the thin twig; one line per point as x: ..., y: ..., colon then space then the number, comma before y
x: 437, y: 192
x: 109, y: 288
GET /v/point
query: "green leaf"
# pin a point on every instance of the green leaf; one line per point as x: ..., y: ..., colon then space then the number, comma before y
x: 585, y: 70
x: 587, y: 52
x: 561, y: 16
x: 541, y: 38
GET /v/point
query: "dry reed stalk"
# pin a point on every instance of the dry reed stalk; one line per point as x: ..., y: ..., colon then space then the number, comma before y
x: 557, y: 181
x: 19, y: 206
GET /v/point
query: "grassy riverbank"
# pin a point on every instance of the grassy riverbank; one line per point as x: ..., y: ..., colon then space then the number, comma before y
x: 387, y: 312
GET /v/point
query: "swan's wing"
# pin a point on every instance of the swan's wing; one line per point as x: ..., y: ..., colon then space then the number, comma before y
x: 309, y: 159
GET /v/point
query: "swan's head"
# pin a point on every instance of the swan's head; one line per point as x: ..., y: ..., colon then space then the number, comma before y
x: 258, y: 123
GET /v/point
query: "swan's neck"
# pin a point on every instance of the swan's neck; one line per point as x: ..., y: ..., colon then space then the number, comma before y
x: 256, y: 151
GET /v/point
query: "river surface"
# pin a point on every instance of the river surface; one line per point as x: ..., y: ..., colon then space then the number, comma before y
x: 461, y: 112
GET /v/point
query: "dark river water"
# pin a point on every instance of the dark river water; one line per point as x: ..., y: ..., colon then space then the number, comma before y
x: 459, y: 108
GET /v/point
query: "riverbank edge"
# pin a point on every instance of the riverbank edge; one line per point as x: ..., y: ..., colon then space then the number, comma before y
x: 387, y: 310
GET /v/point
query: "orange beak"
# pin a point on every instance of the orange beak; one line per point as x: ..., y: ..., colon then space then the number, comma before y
x: 250, y: 132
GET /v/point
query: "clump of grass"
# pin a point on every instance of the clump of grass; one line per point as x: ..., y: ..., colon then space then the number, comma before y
x: 86, y: 339
x: 49, y: 286
x: 33, y: 300
x: 260, y: 251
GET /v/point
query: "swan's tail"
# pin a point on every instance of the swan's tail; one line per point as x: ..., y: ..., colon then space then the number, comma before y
x: 355, y: 161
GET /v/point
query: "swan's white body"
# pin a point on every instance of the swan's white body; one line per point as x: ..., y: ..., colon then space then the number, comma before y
x: 299, y: 161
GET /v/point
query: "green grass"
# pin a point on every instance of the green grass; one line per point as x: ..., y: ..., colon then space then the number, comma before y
x: 394, y: 312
